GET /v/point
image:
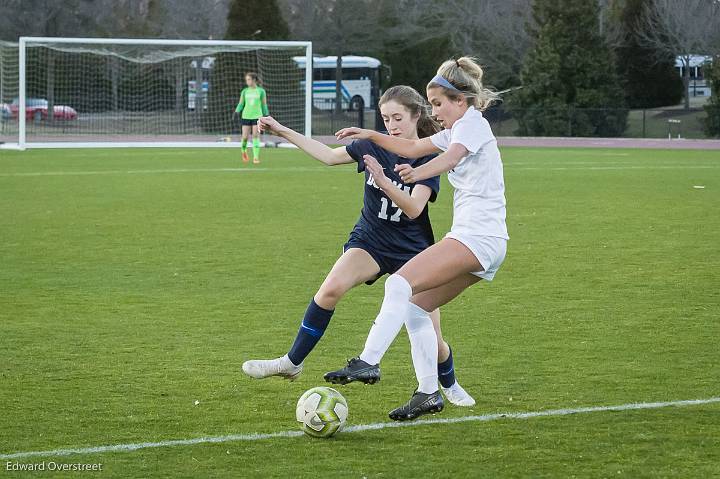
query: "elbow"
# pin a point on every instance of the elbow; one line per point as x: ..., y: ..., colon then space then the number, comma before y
x: 454, y: 162
x: 415, y: 151
x: 413, y: 213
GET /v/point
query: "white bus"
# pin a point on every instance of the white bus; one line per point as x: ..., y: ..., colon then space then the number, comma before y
x: 360, y: 81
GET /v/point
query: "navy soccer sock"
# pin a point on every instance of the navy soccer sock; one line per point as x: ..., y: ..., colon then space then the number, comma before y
x: 312, y: 328
x: 446, y: 371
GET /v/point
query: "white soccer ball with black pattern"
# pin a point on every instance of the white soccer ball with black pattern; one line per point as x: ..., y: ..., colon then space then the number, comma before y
x: 322, y: 411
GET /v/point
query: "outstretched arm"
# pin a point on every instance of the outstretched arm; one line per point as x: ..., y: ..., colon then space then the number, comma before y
x: 263, y: 104
x: 399, y: 146
x: 411, y: 204
x: 319, y: 151
x: 438, y: 165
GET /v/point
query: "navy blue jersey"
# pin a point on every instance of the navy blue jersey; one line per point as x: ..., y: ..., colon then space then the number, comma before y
x: 383, y: 225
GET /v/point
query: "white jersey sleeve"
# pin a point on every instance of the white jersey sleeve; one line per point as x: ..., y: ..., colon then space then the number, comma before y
x: 467, y: 131
x: 441, y: 139
x: 470, y: 133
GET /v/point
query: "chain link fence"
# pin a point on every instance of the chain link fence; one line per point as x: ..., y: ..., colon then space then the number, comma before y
x: 650, y: 123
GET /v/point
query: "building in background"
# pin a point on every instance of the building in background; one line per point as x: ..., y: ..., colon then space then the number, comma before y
x: 698, y: 85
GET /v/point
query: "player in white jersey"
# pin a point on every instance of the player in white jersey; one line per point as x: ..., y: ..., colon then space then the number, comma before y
x: 474, y: 248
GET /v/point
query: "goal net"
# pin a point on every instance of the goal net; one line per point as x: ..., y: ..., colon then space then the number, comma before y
x: 74, y: 92
x: 8, y: 91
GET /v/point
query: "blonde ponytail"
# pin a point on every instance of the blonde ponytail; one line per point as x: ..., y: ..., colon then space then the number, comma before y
x: 465, y: 75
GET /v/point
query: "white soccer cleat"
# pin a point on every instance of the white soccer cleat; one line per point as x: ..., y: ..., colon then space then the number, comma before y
x: 263, y: 368
x: 458, y: 396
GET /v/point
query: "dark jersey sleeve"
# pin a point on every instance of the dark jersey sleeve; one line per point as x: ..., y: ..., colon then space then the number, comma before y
x: 357, y: 149
x: 432, y: 183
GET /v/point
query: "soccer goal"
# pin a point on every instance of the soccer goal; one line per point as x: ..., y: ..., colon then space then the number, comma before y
x: 92, y: 92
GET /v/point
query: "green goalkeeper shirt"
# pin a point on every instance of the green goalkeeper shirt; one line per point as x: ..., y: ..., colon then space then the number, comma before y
x: 253, y: 103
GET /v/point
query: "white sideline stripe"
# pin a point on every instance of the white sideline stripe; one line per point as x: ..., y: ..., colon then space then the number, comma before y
x: 321, y: 169
x: 656, y: 167
x: 358, y: 428
x: 132, y: 172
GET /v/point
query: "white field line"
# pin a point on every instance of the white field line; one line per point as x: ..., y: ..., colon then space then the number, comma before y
x: 358, y: 428
x: 321, y: 169
x: 616, y: 167
x: 132, y: 172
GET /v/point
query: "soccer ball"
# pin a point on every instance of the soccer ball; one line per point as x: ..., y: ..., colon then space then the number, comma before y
x: 322, y: 412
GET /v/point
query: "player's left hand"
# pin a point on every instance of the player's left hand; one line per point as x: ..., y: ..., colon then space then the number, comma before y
x: 376, y: 170
x: 406, y: 172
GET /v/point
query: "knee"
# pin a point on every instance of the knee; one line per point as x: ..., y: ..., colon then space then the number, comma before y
x: 422, y: 301
x: 396, y: 285
x: 331, y: 292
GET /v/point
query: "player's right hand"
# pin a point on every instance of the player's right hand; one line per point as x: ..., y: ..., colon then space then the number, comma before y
x: 269, y: 124
x: 376, y: 170
x: 353, y: 133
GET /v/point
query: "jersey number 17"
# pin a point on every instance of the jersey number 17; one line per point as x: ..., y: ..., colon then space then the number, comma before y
x: 383, y: 214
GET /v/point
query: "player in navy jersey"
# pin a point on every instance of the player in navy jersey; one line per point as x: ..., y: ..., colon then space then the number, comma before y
x: 394, y: 226
x: 390, y: 235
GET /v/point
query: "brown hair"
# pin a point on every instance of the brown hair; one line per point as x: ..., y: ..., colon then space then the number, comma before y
x: 254, y: 76
x: 466, y: 75
x: 415, y: 104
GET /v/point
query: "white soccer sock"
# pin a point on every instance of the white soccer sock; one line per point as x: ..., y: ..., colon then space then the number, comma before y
x: 393, y: 313
x: 424, y: 348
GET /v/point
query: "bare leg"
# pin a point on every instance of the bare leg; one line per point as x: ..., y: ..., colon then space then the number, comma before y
x: 443, y: 348
x: 441, y: 295
x: 354, y: 267
x: 438, y: 265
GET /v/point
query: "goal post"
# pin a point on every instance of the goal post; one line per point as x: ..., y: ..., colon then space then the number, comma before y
x: 107, y: 92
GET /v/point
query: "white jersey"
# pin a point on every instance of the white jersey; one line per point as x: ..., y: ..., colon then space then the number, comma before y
x: 479, y: 199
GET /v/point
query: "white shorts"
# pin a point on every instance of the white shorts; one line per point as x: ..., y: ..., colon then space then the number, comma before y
x: 489, y: 250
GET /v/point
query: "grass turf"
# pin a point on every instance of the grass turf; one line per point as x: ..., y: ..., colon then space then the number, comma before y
x: 131, y: 287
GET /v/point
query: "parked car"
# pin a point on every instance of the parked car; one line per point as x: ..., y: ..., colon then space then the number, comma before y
x: 5, y: 113
x: 37, y: 109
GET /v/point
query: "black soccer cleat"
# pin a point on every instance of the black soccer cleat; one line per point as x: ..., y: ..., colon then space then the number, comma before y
x: 419, y: 404
x: 356, y: 370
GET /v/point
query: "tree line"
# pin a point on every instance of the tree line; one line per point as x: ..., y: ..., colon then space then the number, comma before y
x: 568, y: 66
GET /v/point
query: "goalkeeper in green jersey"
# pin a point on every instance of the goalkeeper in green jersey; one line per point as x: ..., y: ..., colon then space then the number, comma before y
x: 252, y: 105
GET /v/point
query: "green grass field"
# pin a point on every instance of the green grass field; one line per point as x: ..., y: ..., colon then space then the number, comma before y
x: 135, y: 282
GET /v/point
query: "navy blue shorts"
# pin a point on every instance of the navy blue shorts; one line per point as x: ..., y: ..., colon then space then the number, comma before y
x: 387, y: 264
x: 245, y: 122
